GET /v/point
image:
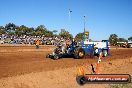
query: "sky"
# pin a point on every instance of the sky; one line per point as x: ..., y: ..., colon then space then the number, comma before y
x: 103, y: 17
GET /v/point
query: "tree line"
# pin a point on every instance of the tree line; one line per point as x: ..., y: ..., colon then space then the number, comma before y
x: 114, y: 39
x: 13, y: 29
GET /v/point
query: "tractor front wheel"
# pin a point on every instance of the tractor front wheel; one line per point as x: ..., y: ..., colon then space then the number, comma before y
x: 105, y: 53
x: 48, y: 56
x: 56, y: 57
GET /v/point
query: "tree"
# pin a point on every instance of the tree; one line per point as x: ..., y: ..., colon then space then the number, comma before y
x: 79, y: 36
x: 122, y: 40
x: 113, y: 39
x: 18, y: 31
x: 2, y: 30
x: 41, y: 30
x: 130, y: 38
x: 10, y: 28
x: 65, y: 34
x: 54, y: 31
x: 23, y: 30
x: 49, y: 34
x: 31, y: 31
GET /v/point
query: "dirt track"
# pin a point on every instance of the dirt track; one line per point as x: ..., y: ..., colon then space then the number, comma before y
x: 27, y: 67
x: 23, y: 62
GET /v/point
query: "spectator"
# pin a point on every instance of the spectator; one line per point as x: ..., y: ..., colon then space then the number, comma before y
x: 37, y: 43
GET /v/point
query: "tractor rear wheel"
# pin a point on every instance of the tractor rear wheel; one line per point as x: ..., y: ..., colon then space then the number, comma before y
x: 79, y: 53
x: 105, y: 53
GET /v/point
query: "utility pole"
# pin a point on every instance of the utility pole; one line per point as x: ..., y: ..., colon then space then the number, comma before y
x: 84, y: 28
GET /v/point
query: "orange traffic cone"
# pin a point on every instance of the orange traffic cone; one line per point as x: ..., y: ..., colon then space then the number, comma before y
x: 97, y: 64
x: 100, y: 55
x: 81, y: 71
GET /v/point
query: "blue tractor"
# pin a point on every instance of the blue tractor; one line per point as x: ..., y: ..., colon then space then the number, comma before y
x: 77, y: 50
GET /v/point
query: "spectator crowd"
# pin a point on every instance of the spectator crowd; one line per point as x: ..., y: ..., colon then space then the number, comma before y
x: 27, y: 39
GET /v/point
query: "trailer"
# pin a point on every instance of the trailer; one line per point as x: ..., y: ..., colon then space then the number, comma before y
x: 100, y: 46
